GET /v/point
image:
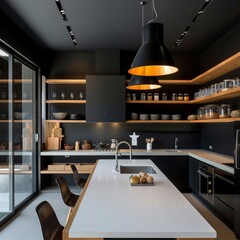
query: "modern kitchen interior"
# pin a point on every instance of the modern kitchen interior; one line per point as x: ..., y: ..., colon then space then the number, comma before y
x: 131, y: 107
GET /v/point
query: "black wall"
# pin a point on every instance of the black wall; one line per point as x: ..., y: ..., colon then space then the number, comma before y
x: 221, y: 136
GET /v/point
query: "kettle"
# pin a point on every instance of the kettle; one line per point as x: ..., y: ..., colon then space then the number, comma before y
x: 113, y: 144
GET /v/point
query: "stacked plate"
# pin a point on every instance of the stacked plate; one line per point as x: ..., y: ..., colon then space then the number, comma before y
x: 154, y: 116
x: 165, y: 116
x: 176, y: 117
x: 143, y: 116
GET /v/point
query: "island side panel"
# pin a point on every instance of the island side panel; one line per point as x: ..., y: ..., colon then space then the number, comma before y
x: 66, y: 229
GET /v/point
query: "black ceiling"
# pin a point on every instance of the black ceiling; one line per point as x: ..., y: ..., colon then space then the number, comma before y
x: 116, y: 24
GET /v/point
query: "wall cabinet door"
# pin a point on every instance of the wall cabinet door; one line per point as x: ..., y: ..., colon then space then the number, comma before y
x: 105, y: 98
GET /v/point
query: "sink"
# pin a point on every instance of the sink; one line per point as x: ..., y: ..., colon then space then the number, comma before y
x: 172, y: 150
x: 137, y: 169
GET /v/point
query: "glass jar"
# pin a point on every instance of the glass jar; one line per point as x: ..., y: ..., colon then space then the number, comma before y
x: 143, y: 96
x: 211, y: 111
x: 156, y: 96
x: 149, y: 97
x: 200, y: 113
x: 224, y: 111
x: 164, y: 96
x: 134, y: 96
x: 186, y: 97
x: 174, y: 97
x: 180, y: 96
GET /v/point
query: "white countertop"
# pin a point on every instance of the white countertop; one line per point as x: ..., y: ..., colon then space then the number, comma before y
x: 113, y: 208
x: 208, y: 157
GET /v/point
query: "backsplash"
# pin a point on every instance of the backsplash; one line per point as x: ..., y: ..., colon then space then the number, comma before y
x: 189, y: 136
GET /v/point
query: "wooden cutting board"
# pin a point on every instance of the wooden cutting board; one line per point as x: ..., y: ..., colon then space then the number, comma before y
x: 57, y: 132
x: 52, y: 143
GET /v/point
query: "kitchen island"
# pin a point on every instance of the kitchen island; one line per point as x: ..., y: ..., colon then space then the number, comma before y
x: 109, y: 207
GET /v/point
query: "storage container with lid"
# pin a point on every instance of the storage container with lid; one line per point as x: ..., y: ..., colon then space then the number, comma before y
x: 200, y: 113
x: 225, y: 111
x: 211, y: 111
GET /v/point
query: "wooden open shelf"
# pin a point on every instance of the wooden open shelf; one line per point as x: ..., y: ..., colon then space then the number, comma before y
x: 66, y: 121
x: 15, y: 121
x: 18, y: 81
x: 15, y: 101
x: 224, y: 120
x: 230, y: 64
x: 228, y: 94
x: 66, y: 101
x: 158, y: 102
x: 66, y: 81
x: 231, y: 93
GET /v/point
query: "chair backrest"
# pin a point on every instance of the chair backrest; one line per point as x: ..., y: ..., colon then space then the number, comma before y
x: 51, y: 228
x: 68, y: 197
x: 76, y: 176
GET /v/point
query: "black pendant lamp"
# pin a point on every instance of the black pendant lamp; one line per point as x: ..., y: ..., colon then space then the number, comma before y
x: 143, y: 83
x: 153, y: 58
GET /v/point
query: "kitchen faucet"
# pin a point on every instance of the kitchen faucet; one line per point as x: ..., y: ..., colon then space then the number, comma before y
x: 116, y: 153
x: 176, y: 143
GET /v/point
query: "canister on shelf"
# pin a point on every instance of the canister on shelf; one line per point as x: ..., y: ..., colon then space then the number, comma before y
x: 180, y: 96
x: 225, y: 111
x: 134, y: 96
x: 186, y: 97
x: 143, y: 96
x: 164, y: 96
x: 174, y: 96
x: 149, y: 96
x: 156, y: 96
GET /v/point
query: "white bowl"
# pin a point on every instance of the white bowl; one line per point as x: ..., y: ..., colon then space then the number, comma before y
x: 165, y: 116
x: 154, y: 116
x: 20, y: 115
x: 176, y: 117
x: 60, y: 115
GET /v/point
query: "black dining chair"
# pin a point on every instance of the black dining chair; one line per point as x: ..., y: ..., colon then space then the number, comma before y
x: 51, y: 228
x: 69, y: 198
x: 80, y: 182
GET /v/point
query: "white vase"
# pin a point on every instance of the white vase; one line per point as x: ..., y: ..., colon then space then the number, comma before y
x: 149, y: 146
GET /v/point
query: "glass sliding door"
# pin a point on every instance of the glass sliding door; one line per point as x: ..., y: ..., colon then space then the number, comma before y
x: 18, y: 151
x: 23, y: 112
x: 6, y: 176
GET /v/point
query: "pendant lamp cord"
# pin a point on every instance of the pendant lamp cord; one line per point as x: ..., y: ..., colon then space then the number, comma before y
x: 155, y: 12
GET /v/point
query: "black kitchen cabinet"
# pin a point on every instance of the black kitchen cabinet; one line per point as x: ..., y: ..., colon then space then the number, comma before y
x: 106, y: 101
x: 176, y: 170
x: 193, y: 175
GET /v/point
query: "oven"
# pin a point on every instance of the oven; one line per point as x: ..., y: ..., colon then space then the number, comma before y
x: 224, y: 187
x: 206, y: 182
x: 224, y: 194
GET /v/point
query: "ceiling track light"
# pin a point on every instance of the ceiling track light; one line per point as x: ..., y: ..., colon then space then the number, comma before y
x: 61, y: 10
x: 70, y: 31
x: 198, y: 14
x: 183, y: 34
x: 202, y: 10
